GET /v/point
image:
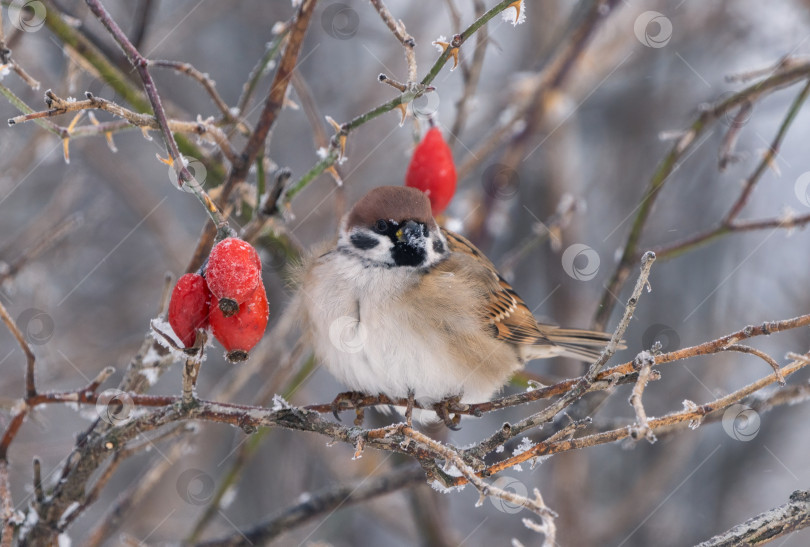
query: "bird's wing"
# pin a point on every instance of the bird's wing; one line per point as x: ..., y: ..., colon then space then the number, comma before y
x: 504, y: 309
x: 514, y: 322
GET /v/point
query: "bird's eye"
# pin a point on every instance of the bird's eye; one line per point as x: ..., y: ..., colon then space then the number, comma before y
x: 381, y: 226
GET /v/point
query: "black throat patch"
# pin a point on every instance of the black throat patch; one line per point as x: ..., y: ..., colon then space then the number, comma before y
x: 408, y: 255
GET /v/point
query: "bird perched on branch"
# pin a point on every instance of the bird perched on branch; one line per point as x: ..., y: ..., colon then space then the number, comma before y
x: 402, y: 307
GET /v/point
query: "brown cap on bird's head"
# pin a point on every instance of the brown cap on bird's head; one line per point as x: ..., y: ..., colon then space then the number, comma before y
x: 397, y: 203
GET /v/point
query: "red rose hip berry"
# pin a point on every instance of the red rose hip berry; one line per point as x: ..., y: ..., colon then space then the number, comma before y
x: 432, y: 170
x: 233, y: 273
x: 188, y: 307
x: 240, y: 332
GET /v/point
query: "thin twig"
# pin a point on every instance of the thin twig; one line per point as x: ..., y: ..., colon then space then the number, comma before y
x: 789, y: 75
x: 397, y: 27
x: 6, y: 61
x: 184, y: 176
x: 645, y: 361
x: 471, y: 74
x: 30, y: 385
x: 536, y: 504
x: 270, y: 53
x: 58, y: 106
x: 122, y: 506
x: 692, y: 415
x: 210, y: 87
x: 51, y: 238
x: 762, y: 355
x: 678, y: 248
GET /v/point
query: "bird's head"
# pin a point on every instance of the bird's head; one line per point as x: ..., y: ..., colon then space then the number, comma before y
x: 392, y: 226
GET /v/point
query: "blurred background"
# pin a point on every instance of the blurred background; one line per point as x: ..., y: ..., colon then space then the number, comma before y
x: 86, y: 301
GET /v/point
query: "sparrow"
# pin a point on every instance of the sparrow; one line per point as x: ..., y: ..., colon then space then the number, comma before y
x: 403, y: 307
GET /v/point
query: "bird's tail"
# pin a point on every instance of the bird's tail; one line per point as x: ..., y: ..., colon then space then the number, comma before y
x: 584, y: 345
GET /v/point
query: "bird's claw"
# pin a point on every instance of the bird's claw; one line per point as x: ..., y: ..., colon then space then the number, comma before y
x: 348, y: 400
x: 442, y: 411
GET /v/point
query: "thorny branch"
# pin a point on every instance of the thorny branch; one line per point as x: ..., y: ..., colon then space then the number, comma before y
x: 57, y: 106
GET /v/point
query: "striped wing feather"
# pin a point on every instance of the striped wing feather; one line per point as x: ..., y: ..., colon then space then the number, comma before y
x: 514, y: 321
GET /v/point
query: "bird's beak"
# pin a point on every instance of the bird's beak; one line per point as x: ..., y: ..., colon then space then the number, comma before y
x: 408, y: 232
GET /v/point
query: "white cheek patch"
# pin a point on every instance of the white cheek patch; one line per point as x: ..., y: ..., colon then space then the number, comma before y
x: 368, y: 246
x: 436, y: 248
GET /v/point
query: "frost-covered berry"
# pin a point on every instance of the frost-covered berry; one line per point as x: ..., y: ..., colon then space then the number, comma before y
x: 188, y: 307
x: 233, y: 273
x: 240, y: 332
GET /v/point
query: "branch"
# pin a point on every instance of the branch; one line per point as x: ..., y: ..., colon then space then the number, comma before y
x: 616, y: 375
x: 729, y: 223
x: 272, y: 105
x: 58, y: 106
x: 140, y: 63
x: 645, y: 361
x: 412, y: 92
x: 536, y: 505
x: 7, y: 62
x: 692, y: 415
x: 30, y: 386
x: 676, y: 249
x: 210, y: 87
x: 769, y: 156
x: 398, y: 29
x: 270, y: 53
x: 788, y: 75
x: 767, y: 526
x: 321, y: 503
x: 6, y: 507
